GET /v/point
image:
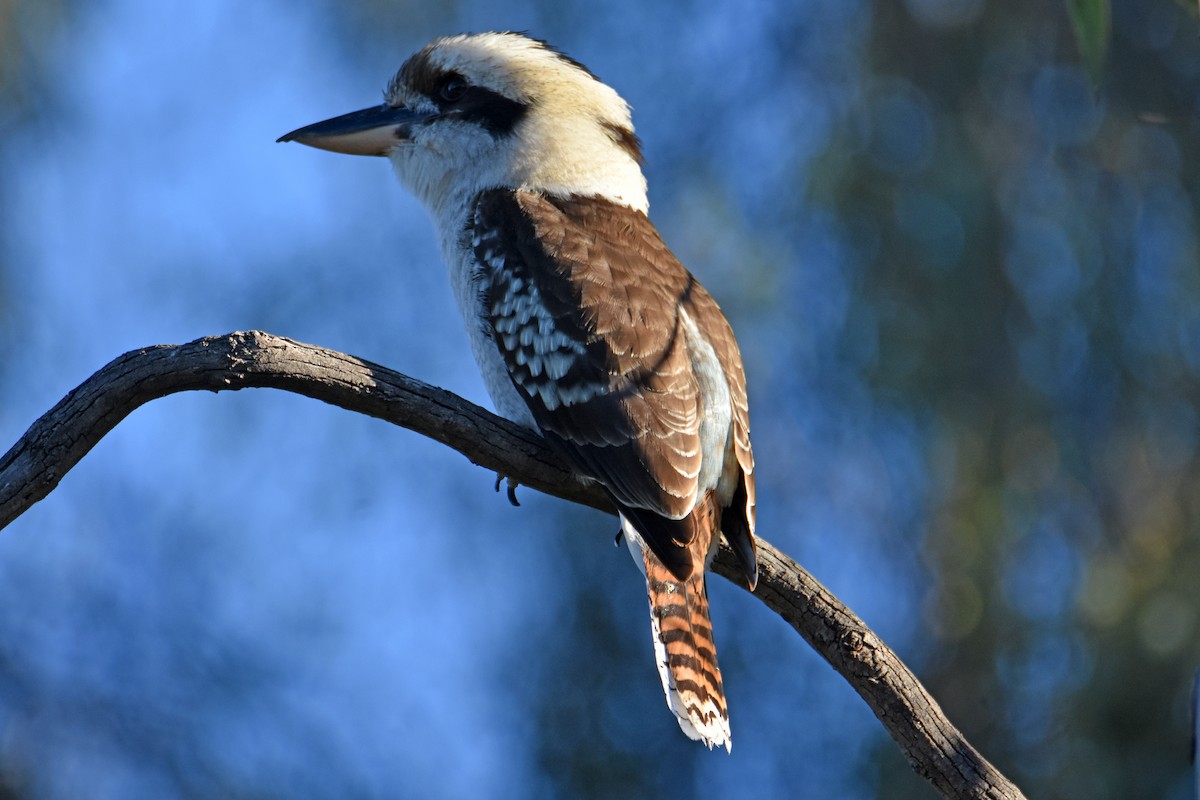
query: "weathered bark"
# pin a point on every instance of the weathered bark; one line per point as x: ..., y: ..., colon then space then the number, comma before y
x: 56, y: 442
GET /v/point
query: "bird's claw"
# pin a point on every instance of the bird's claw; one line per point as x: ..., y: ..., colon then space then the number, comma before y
x: 512, y: 488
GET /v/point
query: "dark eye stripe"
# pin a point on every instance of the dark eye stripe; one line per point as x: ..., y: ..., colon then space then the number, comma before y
x: 495, y: 112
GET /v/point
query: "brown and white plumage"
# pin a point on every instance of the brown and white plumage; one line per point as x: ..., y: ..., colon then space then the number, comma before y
x: 584, y: 324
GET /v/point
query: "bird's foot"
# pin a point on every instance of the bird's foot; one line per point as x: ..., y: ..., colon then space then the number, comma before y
x: 512, y: 488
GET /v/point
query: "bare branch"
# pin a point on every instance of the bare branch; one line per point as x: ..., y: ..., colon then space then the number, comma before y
x: 56, y: 442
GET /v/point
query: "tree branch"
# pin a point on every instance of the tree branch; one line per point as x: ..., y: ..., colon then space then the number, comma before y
x: 56, y: 442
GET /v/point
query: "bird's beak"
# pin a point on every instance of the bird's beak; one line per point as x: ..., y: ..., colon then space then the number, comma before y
x: 370, y: 132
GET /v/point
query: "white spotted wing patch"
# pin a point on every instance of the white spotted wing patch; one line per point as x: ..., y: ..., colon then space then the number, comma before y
x: 546, y: 351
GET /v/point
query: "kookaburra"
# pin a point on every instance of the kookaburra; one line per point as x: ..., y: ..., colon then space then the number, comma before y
x: 585, y: 326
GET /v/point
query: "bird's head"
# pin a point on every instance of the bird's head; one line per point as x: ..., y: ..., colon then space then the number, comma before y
x: 492, y: 110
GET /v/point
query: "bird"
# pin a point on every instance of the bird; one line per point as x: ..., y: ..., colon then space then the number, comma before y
x: 585, y: 326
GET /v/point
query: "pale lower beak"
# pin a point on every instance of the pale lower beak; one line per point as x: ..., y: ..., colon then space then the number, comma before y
x: 370, y: 132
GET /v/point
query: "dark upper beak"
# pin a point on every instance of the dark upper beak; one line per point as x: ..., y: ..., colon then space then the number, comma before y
x: 370, y: 132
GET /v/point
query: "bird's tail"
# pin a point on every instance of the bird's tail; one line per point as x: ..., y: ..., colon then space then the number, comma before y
x: 685, y: 652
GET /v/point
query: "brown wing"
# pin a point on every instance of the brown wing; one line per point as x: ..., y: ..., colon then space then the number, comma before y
x: 585, y: 303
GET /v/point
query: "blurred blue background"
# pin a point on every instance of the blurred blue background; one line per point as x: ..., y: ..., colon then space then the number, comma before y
x: 966, y: 284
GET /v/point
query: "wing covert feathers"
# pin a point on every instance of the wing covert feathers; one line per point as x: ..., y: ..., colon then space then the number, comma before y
x: 611, y: 342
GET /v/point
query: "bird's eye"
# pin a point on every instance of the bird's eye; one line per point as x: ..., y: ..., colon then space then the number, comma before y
x: 453, y: 89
